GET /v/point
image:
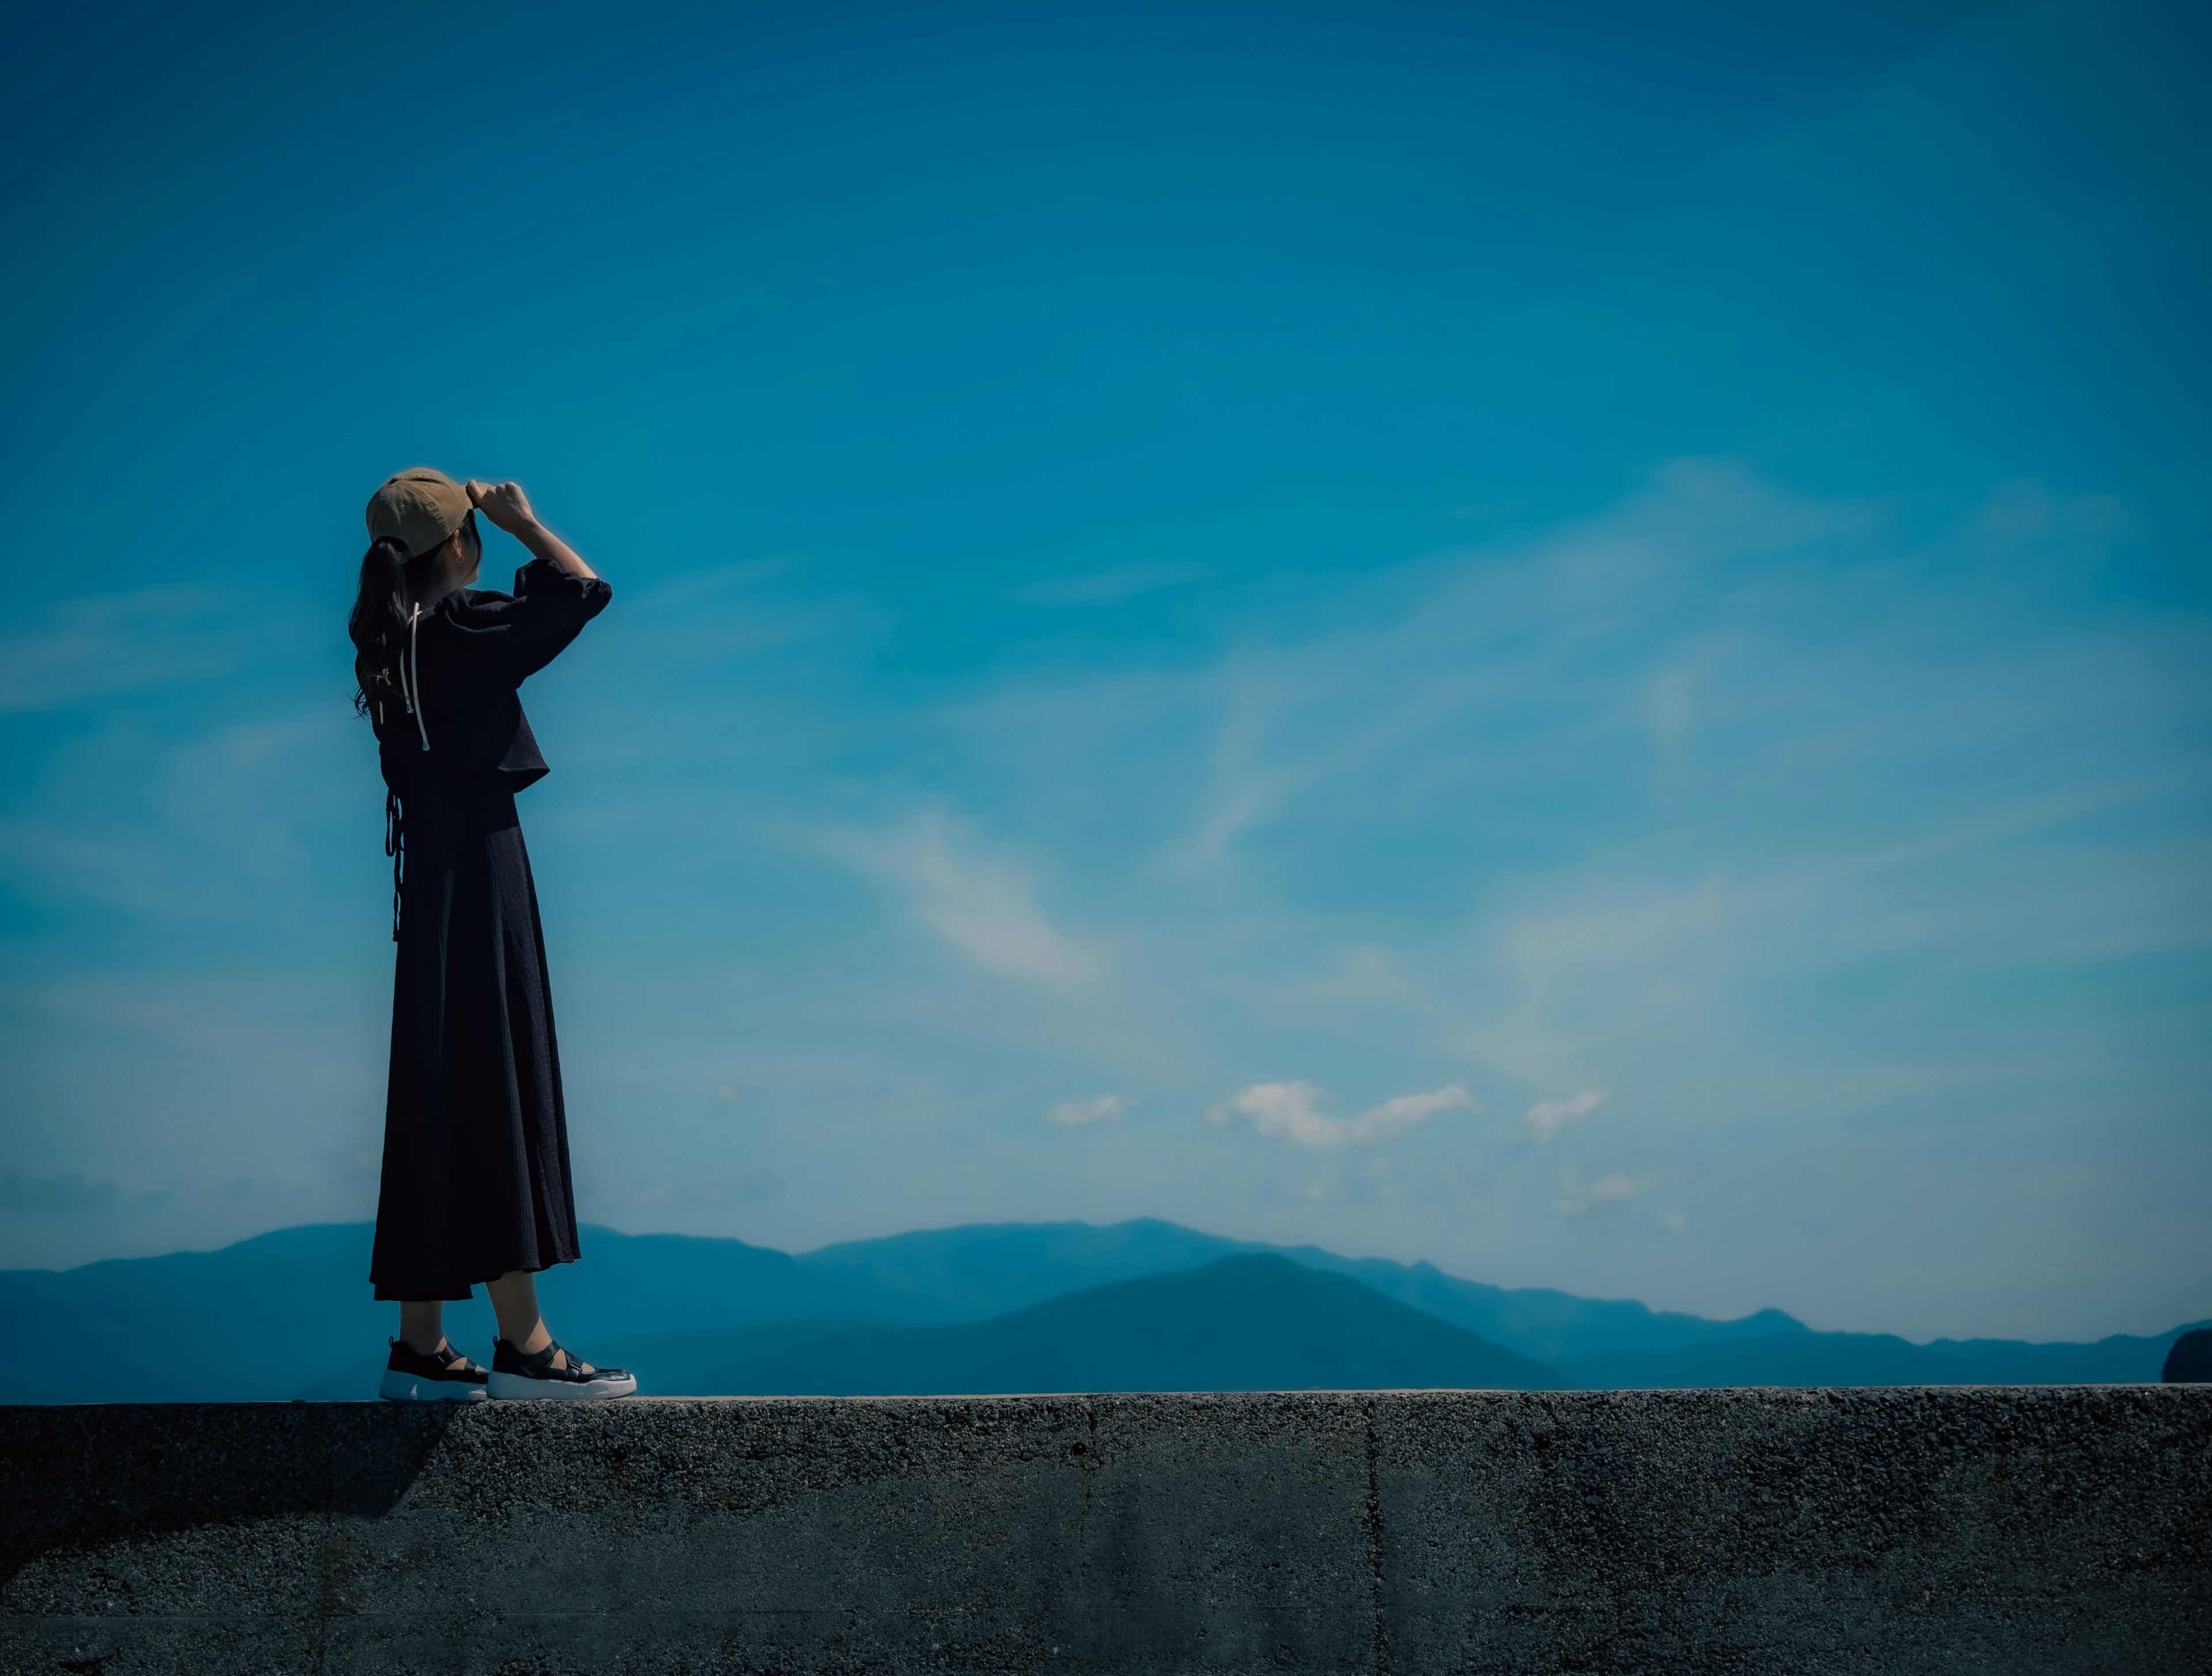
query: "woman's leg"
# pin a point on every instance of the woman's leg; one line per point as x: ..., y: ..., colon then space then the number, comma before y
x: 514, y: 1301
x: 424, y: 1365
x: 422, y: 1326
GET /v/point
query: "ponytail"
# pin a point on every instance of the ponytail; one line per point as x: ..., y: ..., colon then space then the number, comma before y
x: 378, y: 624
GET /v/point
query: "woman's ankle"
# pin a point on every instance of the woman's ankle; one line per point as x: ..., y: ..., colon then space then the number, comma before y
x: 531, y: 1342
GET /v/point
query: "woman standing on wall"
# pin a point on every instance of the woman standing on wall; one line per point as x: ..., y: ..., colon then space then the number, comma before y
x: 475, y: 1145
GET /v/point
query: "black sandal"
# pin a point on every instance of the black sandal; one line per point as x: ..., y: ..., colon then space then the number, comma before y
x: 515, y: 1377
x: 444, y: 1375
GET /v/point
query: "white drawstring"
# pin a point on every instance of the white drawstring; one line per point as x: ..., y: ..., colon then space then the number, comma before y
x: 411, y: 691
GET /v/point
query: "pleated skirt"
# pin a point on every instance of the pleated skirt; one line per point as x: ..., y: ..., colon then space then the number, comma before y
x: 476, y: 1138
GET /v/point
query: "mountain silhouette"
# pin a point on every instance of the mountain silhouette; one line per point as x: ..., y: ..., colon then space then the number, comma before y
x: 260, y: 1319
x: 1245, y: 1323
x: 1874, y: 1358
x: 984, y: 1269
x: 288, y: 1313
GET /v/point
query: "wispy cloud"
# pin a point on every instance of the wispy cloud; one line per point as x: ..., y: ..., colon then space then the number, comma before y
x: 1606, y: 1188
x: 188, y: 830
x: 1105, y: 1108
x: 1110, y: 587
x: 1617, y: 1185
x: 76, y: 649
x: 1228, y: 821
x: 984, y: 907
x: 726, y: 615
x: 1547, y: 1117
x: 1614, y: 808
x: 1394, y: 1116
x: 1292, y: 1113
x: 61, y: 1195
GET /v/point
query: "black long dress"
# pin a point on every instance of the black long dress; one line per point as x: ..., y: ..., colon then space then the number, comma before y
x: 475, y: 1142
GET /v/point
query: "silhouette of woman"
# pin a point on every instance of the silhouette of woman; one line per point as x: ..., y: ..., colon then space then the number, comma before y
x: 476, y: 1146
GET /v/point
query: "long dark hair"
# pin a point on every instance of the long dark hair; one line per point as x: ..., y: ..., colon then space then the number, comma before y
x: 377, y: 625
x: 391, y: 584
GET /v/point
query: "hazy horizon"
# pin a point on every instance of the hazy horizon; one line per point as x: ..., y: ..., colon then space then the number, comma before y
x: 1570, y: 641
x: 590, y: 1229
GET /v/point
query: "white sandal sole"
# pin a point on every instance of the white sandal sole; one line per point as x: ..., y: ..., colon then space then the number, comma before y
x: 521, y: 1388
x: 413, y: 1387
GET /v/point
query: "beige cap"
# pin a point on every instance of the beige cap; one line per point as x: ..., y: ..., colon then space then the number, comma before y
x: 418, y: 507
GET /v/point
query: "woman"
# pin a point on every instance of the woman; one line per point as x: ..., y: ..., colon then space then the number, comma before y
x: 475, y: 1148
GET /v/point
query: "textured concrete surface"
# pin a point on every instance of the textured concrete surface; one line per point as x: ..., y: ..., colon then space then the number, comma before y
x: 2009, y: 1530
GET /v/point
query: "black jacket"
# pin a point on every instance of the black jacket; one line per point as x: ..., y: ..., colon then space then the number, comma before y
x: 464, y: 660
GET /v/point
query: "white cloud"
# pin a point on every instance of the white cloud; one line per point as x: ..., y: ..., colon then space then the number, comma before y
x: 985, y: 909
x: 1291, y: 1111
x: 1281, y: 1111
x: 1074, y: 1114
x: 1394, y: 1117
x: 1547, y: 1117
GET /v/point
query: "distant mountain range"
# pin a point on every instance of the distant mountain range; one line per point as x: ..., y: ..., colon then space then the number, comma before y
x: 1249, y: 1323
x: 1142, y: 1305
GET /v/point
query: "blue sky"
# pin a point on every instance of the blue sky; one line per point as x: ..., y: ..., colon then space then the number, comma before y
x: 1567, y: 639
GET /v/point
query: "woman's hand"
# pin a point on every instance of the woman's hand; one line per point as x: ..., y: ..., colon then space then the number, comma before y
x: 505, y: 504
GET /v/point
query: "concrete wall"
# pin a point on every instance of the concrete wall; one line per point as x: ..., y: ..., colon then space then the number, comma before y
x: 2007, y: 1531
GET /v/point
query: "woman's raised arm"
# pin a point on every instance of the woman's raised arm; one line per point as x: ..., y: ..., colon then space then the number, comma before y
x: 509, y: 507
